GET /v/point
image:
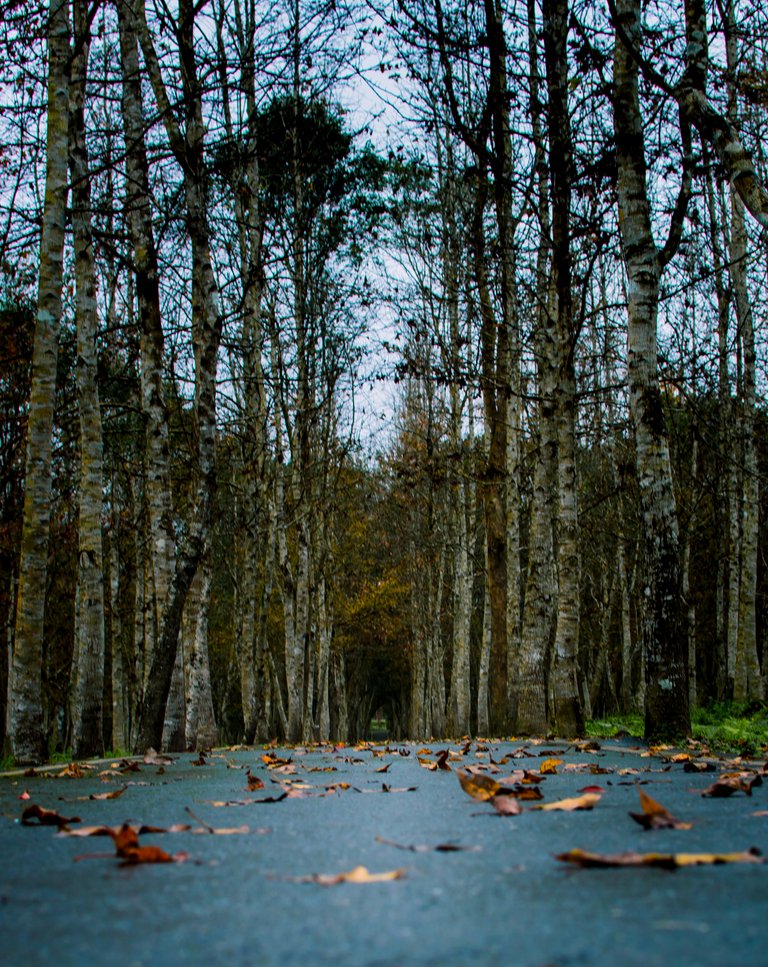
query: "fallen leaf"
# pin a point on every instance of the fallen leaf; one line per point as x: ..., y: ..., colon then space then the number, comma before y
x: 73, y: 770
x: 45, y: 817
x: 667, y: 861
x: 588, y: 801
x: 440, y: 848
x: 506, y: 805
x: 127, y: 848
x: 153, y: 758
x: 549, y: 767
x: 727, y: 785
x: 477, y: 785
x: 384, y: 768
x: 427, y: 764
x: 115, y: 794
x: 25, y: 795
x: 254, y: 782
x: 148, y: 854
x: 442, y: 760
x: 599, y: 789
x: 697, y: 765
x: 200, y: 760
x: 656, y: 816
x: 357, y: 875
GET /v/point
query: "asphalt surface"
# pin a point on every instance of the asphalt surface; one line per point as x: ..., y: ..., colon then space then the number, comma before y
x: 243, y: 898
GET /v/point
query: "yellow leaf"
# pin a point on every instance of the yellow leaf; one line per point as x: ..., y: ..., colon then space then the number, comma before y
x: 359, y: 874
x: 549, y: 767
x: 477, y: 785
x: 588, y: 801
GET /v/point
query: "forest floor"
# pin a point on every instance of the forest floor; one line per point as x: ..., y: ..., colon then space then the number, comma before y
x: 376, y: 856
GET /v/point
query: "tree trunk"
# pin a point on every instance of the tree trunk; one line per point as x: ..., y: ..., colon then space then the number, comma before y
x: 200, y: 728
x: 206, y: 336
x: 664, y: 635
x: 88, y: 660
x: 566, y: 714
x: 25, y: 712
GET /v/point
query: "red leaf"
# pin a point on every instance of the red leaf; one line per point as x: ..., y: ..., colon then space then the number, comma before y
x: 45, y: 817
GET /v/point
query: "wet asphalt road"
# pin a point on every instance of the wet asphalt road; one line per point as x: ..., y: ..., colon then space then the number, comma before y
x: 239, y: 899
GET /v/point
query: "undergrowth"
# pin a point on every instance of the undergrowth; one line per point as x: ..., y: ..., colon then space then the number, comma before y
x: 721, y: 726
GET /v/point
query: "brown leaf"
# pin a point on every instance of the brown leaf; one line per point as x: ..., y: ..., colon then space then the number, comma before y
x: 127, y: 765
x: 153, y: 758
x: 427, y: 764
x: 440, y: 848
x: 148, y: 854
x: 588, y: 801
x: 200, y: 760
x: 115, y: 794
x: 357, y: 875
x: 477, y: 785
x: 442, y: 760
x: 667, y: 861
x: 45, y: 817
x: 728, y: 784
x: 73, y: 770
x: 384, y: 768
x: 656, y: 816
x: 698, y: 765
x: 254, y: 782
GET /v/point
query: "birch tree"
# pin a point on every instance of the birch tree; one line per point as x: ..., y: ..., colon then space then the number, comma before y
x: 25, y: 714
x: 88, y: 660
x: 188, y: 147
x: 664, y: 631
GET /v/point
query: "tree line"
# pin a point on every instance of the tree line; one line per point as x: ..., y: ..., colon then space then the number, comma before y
x: 396, y: 359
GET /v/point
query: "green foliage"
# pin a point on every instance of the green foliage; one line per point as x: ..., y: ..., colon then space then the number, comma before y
x: 730, y: 726
x: 721, y: 726
x: 616, y: 725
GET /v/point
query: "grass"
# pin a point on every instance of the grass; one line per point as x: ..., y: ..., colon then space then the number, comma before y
x: 722, y: 726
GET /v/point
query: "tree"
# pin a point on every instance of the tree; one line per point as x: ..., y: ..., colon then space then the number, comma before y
x: 25, y: 716
x: 664, y: 638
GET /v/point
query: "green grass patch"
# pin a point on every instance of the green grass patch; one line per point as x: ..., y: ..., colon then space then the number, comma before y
x: 732, y: 727
x: 616, y: 725
x: 722, y: 726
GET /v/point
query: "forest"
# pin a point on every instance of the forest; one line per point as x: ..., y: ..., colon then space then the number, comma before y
x: 393, y: 360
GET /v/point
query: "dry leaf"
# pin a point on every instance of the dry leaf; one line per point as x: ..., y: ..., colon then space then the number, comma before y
x: 698, y: 765
x: 588, y: 801
x: 442, y: 760
x: 667, y: 861
x: 45, y: 817
x: 656, y: 816
x: 440, y: 848
x: 254, y: 782
x: 358, y: 875
x: 549, y: 767
x: 477, y: 785
x: 115, y: 794
x: 728, y: 784
x: 153, y: 758
x: 74, y: 770
x: 506, y: 805
x: 427, y: 764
